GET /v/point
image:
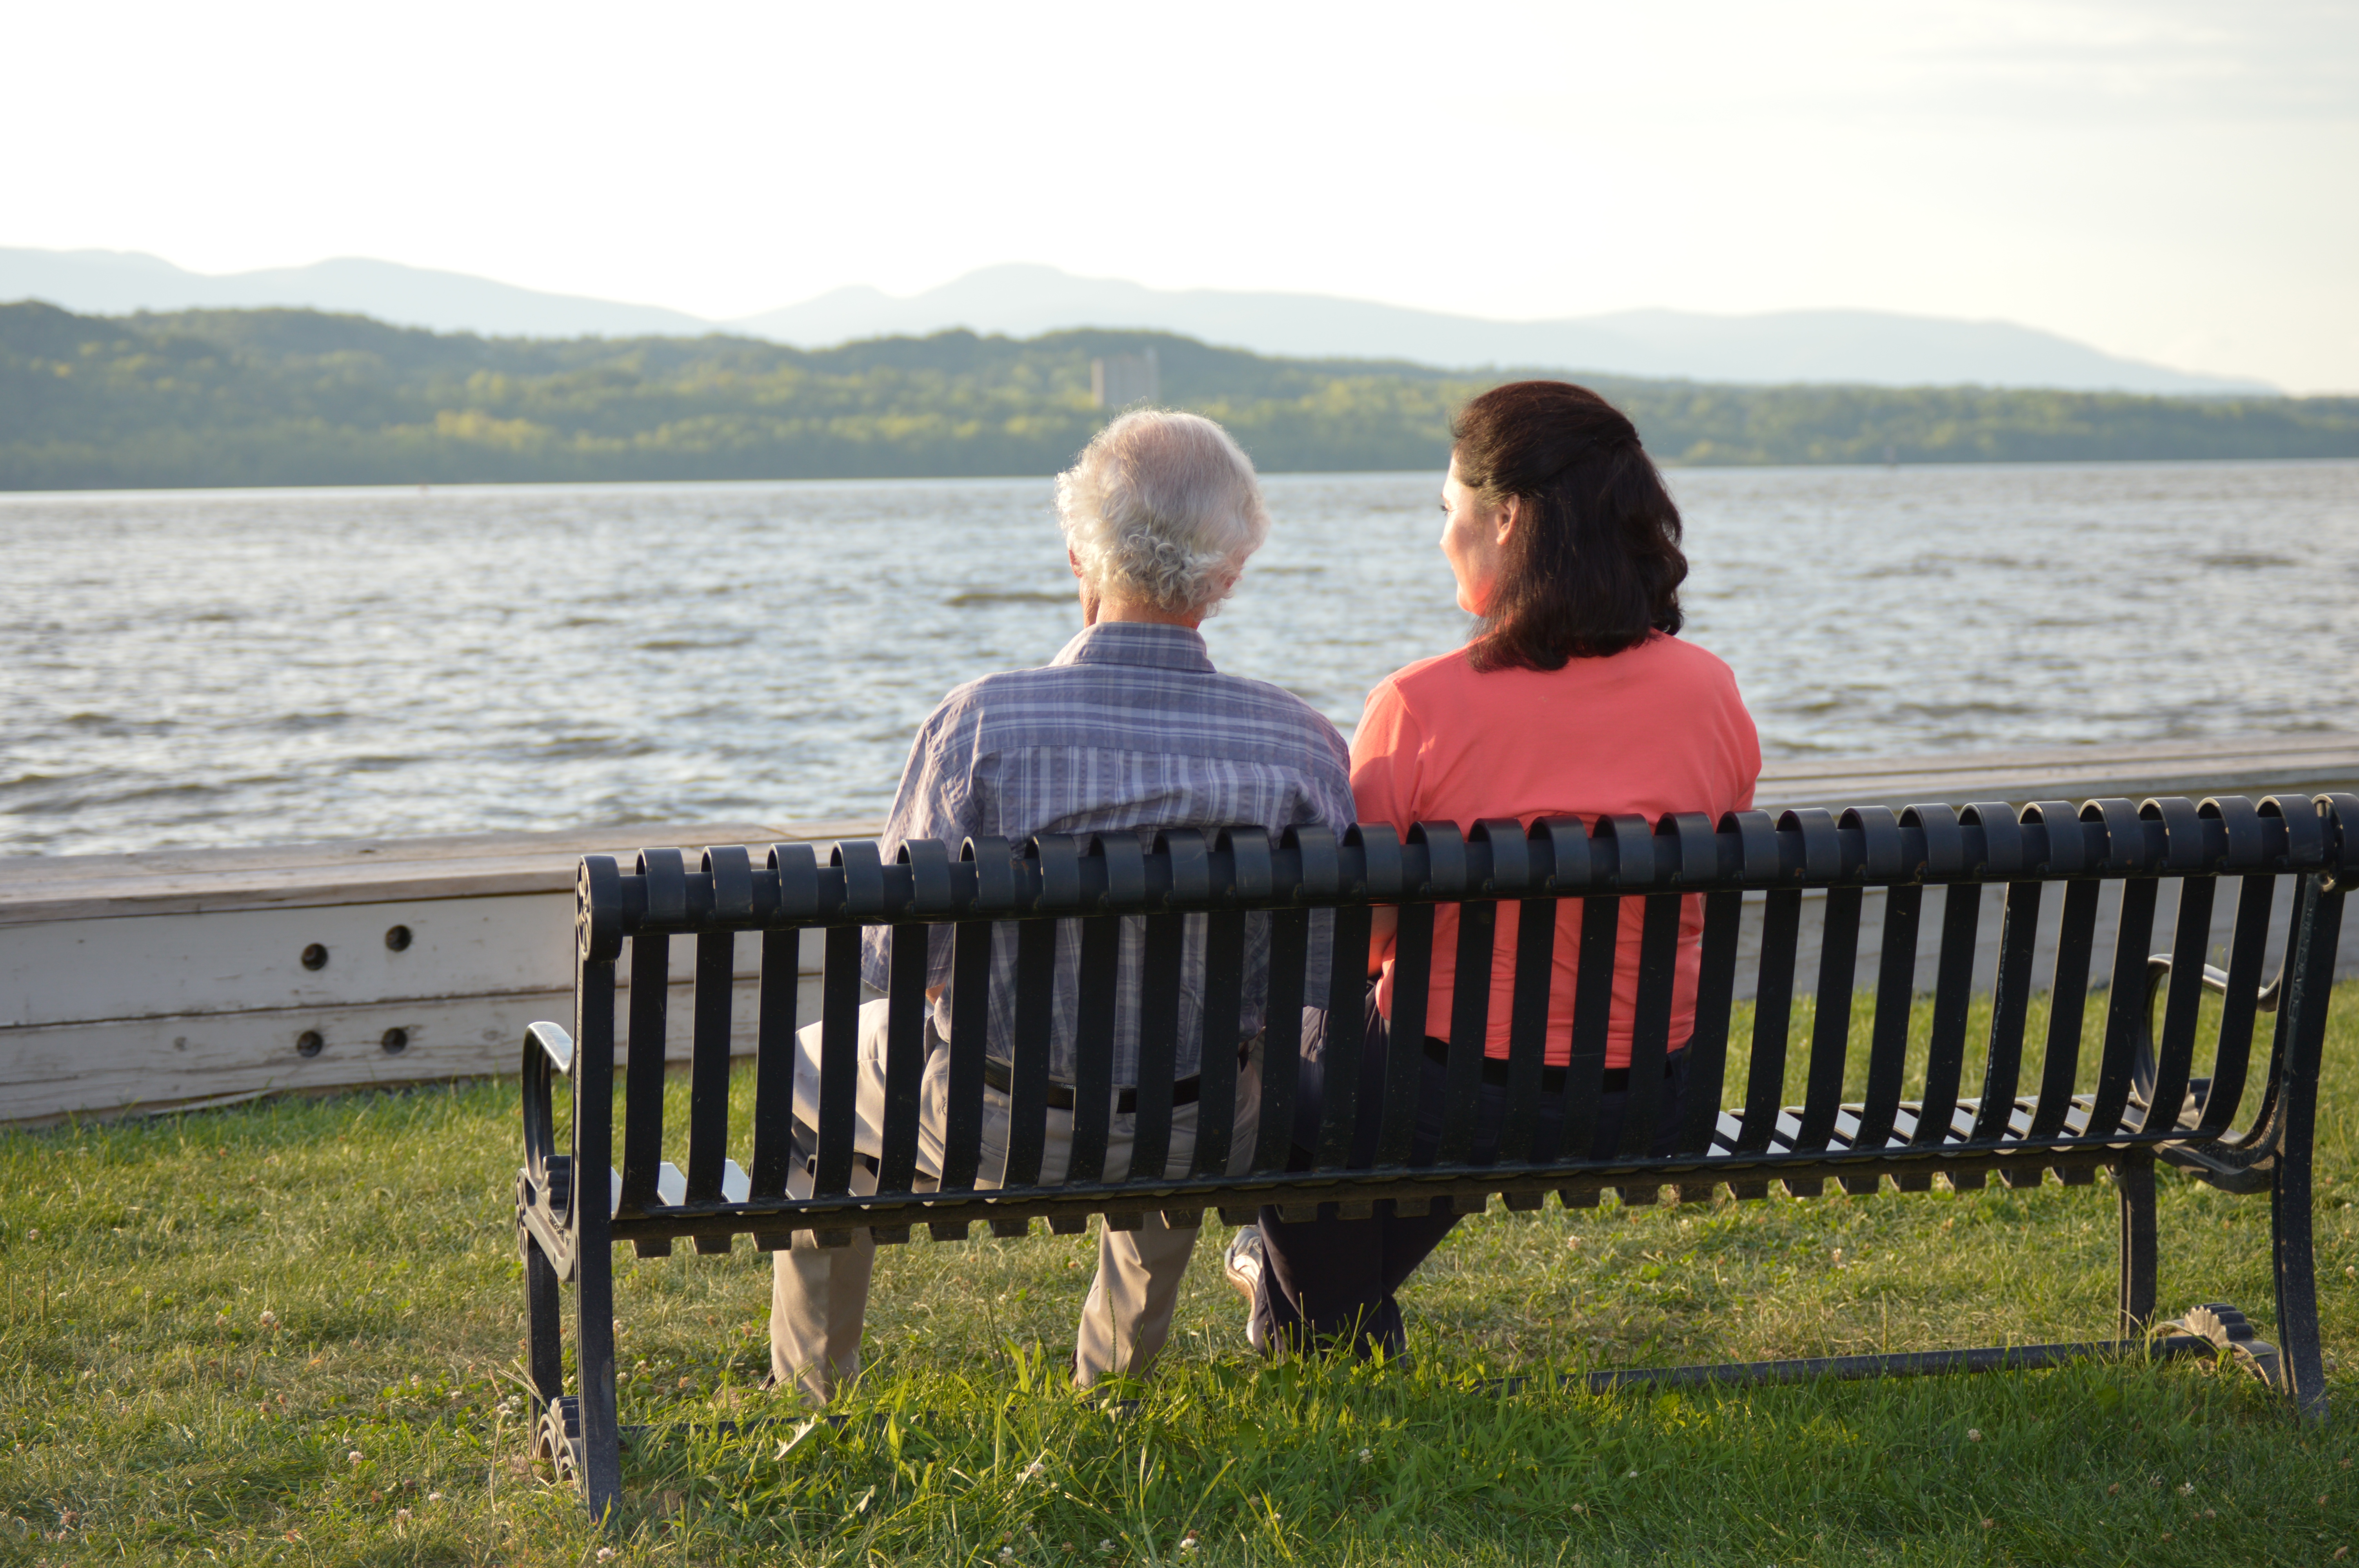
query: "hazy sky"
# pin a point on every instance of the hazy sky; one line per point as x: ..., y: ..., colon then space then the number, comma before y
x: 2177, y: 182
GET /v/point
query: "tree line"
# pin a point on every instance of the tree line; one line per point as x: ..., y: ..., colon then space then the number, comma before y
x: 283, y: 397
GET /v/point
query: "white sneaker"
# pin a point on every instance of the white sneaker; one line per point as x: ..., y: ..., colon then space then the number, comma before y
x: 1241, y: 1266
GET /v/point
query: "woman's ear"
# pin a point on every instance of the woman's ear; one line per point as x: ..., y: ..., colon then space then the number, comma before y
x: 1511, y: 512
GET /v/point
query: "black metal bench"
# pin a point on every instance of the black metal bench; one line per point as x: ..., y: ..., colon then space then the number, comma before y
x: 2016, y: 1125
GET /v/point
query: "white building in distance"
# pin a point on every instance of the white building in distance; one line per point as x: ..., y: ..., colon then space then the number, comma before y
x: 1120, y: 380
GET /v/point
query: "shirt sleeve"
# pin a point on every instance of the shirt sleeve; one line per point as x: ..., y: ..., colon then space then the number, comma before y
x: 936, y: 800
x: 1385, y: 773
x: 1747, y: 748
x: 1330, y: 784
x: 1384, y: 760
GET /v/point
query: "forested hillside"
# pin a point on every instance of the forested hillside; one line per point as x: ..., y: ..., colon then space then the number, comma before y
x: 268, y: 397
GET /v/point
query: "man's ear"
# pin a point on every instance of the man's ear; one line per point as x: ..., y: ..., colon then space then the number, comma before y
x: 1074, y: 561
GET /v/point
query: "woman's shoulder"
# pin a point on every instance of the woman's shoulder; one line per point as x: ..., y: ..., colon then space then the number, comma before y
x: 1448, y: 683
x: 1669, y: 653
x: 1438, y: 675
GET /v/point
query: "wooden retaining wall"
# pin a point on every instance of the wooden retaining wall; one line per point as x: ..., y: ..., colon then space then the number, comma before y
x: 177, y: 977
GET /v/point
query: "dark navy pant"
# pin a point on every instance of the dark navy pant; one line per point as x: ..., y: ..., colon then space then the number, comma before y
x: 1330, y: 1281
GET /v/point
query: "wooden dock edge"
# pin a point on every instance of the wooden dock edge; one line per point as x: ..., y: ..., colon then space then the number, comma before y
x: 178, y: 979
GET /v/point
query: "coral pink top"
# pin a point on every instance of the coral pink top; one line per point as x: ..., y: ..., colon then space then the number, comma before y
x: 1655, y: 728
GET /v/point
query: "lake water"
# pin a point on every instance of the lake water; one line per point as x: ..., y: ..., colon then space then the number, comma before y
x: 237, y: 667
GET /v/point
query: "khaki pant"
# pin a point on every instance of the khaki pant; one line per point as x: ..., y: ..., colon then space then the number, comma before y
x: 819, y: 1295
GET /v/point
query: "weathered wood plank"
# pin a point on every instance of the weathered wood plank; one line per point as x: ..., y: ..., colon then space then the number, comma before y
x: 360, y: 870
x: 2255, y: 765
x: 142, y: 966
x: 155, y: 1062
x: 177, y: 975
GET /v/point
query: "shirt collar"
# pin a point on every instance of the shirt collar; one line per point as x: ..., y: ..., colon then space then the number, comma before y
x: 1144, y: 644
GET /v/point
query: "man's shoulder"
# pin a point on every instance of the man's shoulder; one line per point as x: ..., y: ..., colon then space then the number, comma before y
x: 1276, y: 698
x: 1021, y: 698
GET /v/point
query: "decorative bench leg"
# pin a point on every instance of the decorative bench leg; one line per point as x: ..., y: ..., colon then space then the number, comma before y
x: 2297, y: 1281
x: 2317, y: 925
x: 2227, y: 1328
x: 601, y: 1451
x: 2135, y: 1179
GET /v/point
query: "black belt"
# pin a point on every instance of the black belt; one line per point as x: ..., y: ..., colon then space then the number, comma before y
x: 1000, y: 1075
x: 1495, y: 1069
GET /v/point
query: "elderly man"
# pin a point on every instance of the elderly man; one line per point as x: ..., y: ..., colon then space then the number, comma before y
x: 1128, y: 728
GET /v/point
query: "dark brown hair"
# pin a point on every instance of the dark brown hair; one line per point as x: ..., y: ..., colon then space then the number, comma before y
x: 1593, y: 564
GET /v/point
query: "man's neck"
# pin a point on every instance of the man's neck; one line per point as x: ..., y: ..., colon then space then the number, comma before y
x: 1110, y: 611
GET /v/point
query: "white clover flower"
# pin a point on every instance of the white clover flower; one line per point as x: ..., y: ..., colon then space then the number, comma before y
x: 1974, y: 1434
x: 269, y: 1319
x: 2186, y: 1488
x: 1367, y: 1455
x: 433, y: 1497
x: 354, y: 1456
x: 1033, y: 1471
x: 400, y: 1515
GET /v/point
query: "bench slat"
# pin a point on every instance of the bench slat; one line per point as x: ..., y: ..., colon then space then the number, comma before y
x: 1216, y: 1048
x: 2010, y: 1005
x: 2175, y: 1052
x: 1723, y: 915
x: 1528, y: 1021
x: 1773, y: 1008
x: 1346, y: 992
x: 1952, y: 1002
x: 708, y: 1086
x: 1593, y: 1015
x: 1404, y: 1040
x: 1469, y: 1031
x: 2060, y: 1067
x: 1281, y: 1057
x: 1093, y: 1014
x: 643, y: 1075
x: 908, y: 947
x: 2125, y: 1014
x: 2239, y: 1009
x: 1650, y: 1022
x: 1028, y: 1094
x: 1830, y: 1019
x: 1158, y: 1044
x: 971, y: 943
x: 774, y: 1062
x: 839, y: 1068
x: 1887, y: 1047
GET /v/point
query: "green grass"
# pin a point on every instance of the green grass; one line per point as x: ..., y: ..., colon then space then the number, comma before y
x: 154, y: 1414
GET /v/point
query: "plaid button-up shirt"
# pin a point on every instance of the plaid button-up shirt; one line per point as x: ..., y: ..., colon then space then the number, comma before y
x: 1130, y: 726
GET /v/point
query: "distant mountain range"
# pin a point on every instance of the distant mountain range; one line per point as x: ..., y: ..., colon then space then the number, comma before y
x: 115, y: 283
x: 1834, y: 347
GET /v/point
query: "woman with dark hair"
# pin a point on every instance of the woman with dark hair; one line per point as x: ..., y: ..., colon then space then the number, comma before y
x: 1575, y: 697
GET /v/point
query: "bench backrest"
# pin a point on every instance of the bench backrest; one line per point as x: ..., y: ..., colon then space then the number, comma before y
x: 1748, y: 859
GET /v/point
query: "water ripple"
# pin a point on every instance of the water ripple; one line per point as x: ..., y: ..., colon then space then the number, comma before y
x: 225, y: 667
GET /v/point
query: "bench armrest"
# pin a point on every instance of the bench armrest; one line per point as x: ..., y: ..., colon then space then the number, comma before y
x: 554, y: 1042
x: 547, y: 1053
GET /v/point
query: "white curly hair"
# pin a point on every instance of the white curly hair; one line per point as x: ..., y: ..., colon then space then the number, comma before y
x: 1162, y: 508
